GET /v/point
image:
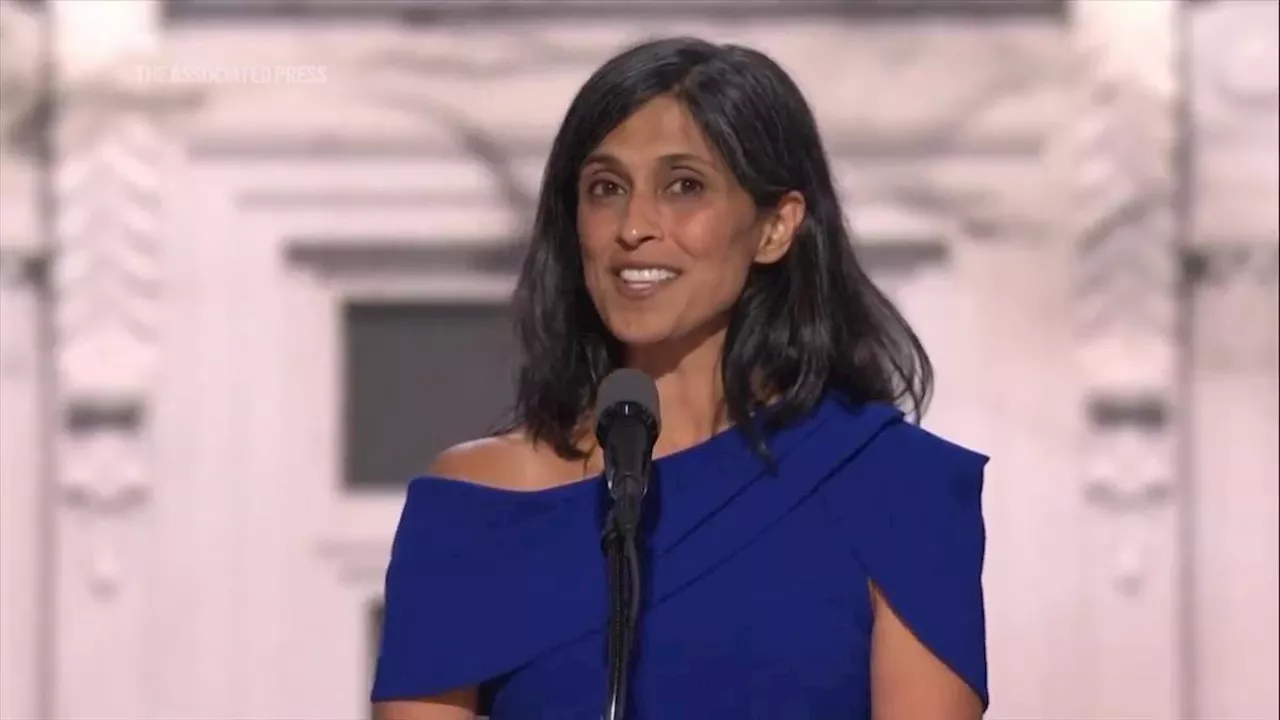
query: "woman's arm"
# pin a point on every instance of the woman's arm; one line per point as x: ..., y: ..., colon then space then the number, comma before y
x: 908, y: 682
x: 457, y: 705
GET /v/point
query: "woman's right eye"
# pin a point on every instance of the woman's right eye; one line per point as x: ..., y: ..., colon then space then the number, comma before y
x: 604, y: 188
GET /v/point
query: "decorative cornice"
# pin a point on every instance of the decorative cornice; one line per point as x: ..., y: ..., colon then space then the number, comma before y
x: 184, y: 12
x: 434, y: 89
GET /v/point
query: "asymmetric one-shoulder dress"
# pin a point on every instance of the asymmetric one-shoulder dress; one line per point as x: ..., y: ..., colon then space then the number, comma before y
x: 755, y: 601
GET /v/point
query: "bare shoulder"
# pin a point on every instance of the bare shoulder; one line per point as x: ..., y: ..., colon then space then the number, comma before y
x: 497, y: 461
x: 511, y: 462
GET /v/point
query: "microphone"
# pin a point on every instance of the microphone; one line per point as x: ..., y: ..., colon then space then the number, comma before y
x: 627, y: 427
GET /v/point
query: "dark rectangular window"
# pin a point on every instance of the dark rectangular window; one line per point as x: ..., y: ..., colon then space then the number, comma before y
x: 420, y: 377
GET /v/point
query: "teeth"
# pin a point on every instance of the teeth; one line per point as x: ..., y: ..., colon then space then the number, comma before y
x: 645, y: 275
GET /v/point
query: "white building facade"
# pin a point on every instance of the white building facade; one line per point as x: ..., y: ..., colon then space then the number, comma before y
x: 255, y: 275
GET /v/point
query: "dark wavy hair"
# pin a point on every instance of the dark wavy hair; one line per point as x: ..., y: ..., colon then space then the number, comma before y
x: 809, y: 324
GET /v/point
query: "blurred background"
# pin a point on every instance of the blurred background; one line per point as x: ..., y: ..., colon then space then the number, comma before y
x: 254, y: 266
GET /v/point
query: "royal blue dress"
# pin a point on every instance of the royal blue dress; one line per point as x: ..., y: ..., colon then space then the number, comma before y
x: 756, y: 601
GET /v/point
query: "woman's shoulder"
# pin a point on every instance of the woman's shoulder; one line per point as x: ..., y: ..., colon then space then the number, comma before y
x: 498, y: 461
x: 476, y: 496
x: 911, y: 501
x: 511, y: 461
x: 904, y: 459
x: 903, y: 478
x: 925, y: 454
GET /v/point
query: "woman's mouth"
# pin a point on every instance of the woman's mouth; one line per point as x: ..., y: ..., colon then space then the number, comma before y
x: 643, y: 282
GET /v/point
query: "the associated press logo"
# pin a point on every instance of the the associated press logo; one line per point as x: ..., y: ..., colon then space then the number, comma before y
x: 220, y: 74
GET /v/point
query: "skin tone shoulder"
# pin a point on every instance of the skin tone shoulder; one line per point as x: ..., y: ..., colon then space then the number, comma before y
x: 667, y: 238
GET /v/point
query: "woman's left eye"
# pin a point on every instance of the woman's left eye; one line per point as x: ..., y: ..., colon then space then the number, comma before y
x: 685, y: 186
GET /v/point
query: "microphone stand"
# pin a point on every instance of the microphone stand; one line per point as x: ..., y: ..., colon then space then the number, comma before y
x: 622, y: 556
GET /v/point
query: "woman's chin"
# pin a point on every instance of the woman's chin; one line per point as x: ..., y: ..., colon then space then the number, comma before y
x: 640, y: 338
x: 641, y: 331
x: 659, y: 336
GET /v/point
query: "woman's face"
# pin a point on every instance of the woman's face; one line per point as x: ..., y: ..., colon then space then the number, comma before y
x: 667, y: 234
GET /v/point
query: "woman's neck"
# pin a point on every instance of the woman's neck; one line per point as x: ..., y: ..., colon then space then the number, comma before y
x: 690, y: 390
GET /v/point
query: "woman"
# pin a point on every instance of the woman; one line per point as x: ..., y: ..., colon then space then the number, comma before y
x: 811, y: 555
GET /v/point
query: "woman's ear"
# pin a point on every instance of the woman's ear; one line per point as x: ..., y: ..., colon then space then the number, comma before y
x: 780, y: 230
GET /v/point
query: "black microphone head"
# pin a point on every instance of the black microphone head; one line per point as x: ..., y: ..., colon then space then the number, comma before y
x: 631, y: 389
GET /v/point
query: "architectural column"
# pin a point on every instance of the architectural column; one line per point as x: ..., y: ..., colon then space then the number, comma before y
x: 1236, y: 356
x: 110, y: 151
x: 23, y: 550
x: 1124, y: 144
x: 24, y: 378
